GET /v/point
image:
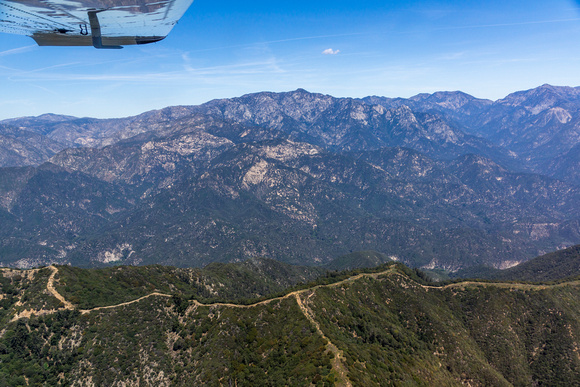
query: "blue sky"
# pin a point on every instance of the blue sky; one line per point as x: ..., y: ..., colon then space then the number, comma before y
x: 224, y: 49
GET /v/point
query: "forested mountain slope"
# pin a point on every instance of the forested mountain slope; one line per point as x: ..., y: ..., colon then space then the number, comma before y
x: 381, y: 327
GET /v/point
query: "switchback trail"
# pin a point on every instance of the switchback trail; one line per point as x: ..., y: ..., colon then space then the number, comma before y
x: 339, y: 359
x: 52, y: 290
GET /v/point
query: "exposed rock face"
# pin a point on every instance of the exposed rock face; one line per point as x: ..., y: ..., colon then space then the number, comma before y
x: 537, y: 124
x: 532, y: 129
x: 350, y: 125
x: 296, y: 176
x: 457, y: 105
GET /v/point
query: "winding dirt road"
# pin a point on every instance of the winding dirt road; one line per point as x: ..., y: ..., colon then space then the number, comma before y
x: 52, y: 290
x: 338, y: 362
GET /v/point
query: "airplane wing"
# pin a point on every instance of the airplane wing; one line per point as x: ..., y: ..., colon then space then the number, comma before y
x: 98, y: 23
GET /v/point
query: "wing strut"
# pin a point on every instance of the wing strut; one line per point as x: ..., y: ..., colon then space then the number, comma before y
x: 96, y: 30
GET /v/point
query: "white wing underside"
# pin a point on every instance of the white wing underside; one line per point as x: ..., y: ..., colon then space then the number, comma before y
x: 66, y: 22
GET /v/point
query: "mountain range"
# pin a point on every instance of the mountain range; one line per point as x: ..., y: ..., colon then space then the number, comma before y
x: 262, y: 322
x: 441, y: 180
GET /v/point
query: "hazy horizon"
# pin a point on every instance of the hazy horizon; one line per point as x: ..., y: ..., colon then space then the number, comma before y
x: 265, y: 91
x: 345, y: 49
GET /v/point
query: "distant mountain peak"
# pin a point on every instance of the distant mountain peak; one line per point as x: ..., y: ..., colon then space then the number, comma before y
x: 43, y: 118
x: 541, y: 98
x: 449, y: 99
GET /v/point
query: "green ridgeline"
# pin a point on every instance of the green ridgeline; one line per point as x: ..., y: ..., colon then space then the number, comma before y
x: 392, y: 329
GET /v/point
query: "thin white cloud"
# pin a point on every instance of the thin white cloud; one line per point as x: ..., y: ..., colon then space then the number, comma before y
x: 282, y: 41
x: 330, y: 51
x: 241, y: 69
x: 18, y: 50
x: 509, y: 24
